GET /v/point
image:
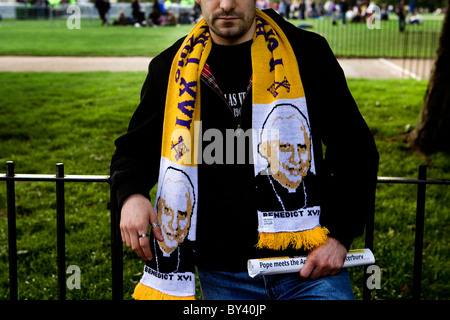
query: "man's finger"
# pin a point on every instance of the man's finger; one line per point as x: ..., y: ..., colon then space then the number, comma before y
x: 318, y: 273
x: 145, y: 248
x: 157, y: 232
x: 156, y: 226
x: 307, y: 269
x: 124, y: 237
x: 136, y: 245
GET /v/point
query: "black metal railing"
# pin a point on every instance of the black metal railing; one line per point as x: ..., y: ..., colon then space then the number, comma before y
x: 116, y: 244
x: 358, y: 41
x: 60, y: 179
x: 421, y: 183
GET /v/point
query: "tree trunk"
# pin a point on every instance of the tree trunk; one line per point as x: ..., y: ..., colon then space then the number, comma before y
x: 433, y: 130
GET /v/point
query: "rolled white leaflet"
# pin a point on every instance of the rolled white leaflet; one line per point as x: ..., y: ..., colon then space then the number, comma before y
x: 267, y: 266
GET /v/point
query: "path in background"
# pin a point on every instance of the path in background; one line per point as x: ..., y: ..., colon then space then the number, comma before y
x: 382, y: 68
x: 353, y: 68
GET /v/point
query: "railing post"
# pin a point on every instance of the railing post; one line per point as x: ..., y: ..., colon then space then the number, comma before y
x: 420, y: 221
x: 370, y: 225
x: 60, y: 231
x: 12, y: 236
x: 116, y: 250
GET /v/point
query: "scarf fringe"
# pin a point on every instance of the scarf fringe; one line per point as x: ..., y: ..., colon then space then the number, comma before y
x: 308, y: 239
x: 142, y: 292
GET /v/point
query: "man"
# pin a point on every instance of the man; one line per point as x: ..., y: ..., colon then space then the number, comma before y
x: 400, y: 11
x: 103, y: 7
x: 344, y: 9
x: 241, y: 51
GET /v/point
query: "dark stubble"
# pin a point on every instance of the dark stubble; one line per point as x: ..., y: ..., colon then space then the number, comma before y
x: 233, y: 29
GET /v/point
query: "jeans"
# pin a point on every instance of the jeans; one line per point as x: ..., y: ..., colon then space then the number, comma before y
x: 220, y: 285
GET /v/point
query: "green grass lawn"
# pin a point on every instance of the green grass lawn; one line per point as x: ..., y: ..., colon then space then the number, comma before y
x: 74, y: 118
x: 53, y: 38
x: 44, y: 38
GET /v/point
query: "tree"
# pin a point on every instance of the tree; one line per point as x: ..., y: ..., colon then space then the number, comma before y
x: 432, y: 133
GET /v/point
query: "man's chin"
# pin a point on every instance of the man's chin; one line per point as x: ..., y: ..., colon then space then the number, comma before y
x: 228, y: 30
x: 227, y: 33
x: 169, y: 248
x: 293, y: 176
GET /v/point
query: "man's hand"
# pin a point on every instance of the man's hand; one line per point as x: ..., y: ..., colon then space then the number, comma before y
x: 137, y: 213
x: 326, y: 260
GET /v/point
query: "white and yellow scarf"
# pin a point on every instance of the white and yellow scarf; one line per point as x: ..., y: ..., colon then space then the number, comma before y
x: 276, y: 84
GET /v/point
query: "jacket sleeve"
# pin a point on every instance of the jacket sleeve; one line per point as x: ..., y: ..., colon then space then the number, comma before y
x: 350, y: 165
x: 135, y: 162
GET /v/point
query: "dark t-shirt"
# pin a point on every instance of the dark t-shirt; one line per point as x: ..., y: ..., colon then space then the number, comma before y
x: 231, y: 66
x: 226, y: 231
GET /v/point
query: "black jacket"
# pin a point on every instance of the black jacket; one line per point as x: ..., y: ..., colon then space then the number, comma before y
x: 227, y: 222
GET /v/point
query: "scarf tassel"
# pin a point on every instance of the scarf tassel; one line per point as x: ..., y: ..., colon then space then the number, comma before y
x: 308, y: 239
x: 142, y: 292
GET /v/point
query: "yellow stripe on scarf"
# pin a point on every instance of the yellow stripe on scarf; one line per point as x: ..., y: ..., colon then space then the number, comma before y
x: 284, y: 82
x: 142, y: 292
x: 271, y: 51
x: 183, y: 97
x: 308, y: 239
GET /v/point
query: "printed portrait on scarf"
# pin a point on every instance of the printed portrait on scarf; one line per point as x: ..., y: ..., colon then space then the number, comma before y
x: 175, y: 207
x: 285, y: 144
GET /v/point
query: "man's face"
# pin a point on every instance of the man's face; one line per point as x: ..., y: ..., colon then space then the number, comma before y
x: 230, y: 21
x: 294, y: 156
x: 289, y: 153
x: 175, y: 217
